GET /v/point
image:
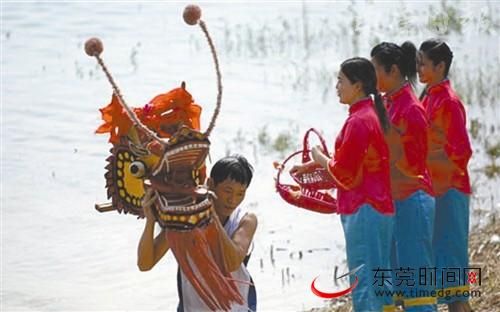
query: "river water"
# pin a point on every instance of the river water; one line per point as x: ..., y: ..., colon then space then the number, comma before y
x: 58, y: 253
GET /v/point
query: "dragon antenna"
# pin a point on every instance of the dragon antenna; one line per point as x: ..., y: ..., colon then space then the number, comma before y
x: 192, y: 15
x: 94, y: 47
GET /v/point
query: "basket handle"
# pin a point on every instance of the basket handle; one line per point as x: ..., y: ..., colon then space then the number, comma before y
x: 305, y: 153
x: 283, y: 165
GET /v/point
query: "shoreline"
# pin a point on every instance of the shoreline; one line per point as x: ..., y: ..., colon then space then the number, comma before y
x: 484, y: 252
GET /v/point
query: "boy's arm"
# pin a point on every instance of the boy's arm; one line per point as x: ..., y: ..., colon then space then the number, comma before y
x: 150, y: 250
x: 235, y: 248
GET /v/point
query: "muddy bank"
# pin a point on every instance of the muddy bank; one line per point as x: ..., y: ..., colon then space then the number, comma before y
x: 484, y: 252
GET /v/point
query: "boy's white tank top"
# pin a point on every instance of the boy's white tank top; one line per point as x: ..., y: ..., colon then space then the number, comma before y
x: 190, y: 299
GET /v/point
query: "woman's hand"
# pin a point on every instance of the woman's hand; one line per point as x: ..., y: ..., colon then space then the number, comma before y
x: 319, y: 156
x: 317, y: 153
x: 298, y: 169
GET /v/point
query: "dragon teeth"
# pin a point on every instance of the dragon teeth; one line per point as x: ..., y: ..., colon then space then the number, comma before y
x: 191, y: 208
x: 186, y: 147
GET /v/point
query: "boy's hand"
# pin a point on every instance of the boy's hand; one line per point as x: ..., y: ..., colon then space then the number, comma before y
x: 215, y: 216
x: 147, y: 204
x: 148, y: 213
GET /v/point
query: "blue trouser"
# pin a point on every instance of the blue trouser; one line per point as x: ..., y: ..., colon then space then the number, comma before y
x: 368, y: 235
x: 412, y: 253
x: 450, y: 244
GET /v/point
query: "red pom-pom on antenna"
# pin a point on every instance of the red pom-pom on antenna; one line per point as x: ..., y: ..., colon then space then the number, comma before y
x: 93, y: 47
x: 192, y: 14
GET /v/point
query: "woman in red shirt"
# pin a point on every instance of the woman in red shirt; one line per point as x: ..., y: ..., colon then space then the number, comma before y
x: 360, y: 166
x: 449, y: 153
x: 410, y: 179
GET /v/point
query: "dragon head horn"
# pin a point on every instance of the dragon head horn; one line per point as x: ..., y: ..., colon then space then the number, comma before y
x: 94, y: 48
x: 192, y: 15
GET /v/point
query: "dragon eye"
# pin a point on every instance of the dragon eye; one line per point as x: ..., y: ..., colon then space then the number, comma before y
x: 137, y: 169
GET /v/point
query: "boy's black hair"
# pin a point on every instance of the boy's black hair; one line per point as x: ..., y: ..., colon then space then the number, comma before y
x: 234, y: 167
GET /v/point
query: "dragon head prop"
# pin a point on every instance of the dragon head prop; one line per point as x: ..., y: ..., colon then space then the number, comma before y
x: 158, y: 162
x: 158, y: 154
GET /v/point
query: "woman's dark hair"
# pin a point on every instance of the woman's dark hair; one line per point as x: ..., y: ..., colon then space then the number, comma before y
x: 362, y: 70
x: 437, y: 51
x: 404, y: 57
x: 234, y: 167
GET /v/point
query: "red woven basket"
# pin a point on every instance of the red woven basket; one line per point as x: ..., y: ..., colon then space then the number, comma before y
x: 312, y: 191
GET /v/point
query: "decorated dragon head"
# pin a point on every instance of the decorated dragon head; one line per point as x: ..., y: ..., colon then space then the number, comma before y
x: 158, y: 161
x: 158, y: 154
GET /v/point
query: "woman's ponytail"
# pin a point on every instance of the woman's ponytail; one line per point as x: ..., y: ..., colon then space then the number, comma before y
x: 409, y: 61
x: 404, y: 57
x: 362, y: 70
x: 381, y: 112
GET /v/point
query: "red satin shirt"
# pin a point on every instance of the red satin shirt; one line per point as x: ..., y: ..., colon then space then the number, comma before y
x: 449, y: 145
x: 407, y: 140
x: 360, y: 164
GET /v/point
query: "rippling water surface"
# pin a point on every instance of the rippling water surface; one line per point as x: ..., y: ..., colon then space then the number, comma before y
x: 58, y: 253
